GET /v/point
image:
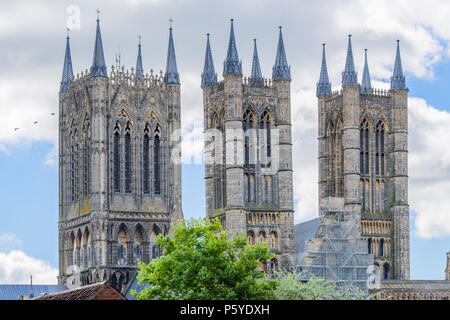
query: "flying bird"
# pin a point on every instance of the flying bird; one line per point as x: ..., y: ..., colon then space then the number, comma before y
x: 15, y: 129
x: 35, y: 122
x: 52, y: 113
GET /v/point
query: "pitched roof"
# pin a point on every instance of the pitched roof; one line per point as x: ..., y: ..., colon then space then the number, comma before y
x: 14, y: 291
x: 90, y: 292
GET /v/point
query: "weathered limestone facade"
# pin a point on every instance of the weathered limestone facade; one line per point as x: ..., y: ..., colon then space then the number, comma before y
x: 119, y: 168
x: 248, y: 152
x: 363, y: 161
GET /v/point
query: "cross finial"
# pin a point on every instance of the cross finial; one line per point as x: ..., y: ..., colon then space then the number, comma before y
x: 170, y: 22
x: 98, y: 14
x: 68, y: 32
x: 139, y: 37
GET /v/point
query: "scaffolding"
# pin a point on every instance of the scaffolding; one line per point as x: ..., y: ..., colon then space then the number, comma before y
x: 337, y: 253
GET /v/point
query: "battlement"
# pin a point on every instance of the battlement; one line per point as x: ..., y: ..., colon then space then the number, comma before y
x: 125, y: 77
x: 369, y: 97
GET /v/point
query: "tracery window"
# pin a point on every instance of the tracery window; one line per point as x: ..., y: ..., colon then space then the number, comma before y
x: 265, y: 139
x: 86, y: 159
x: 364, y: 147
x: 127, y: 149
x: 116, y: 157
x: 247, y: 126
x: 331, y: 154
x: 146, y: 160
x: 379, y: 149
x: 156, y: 161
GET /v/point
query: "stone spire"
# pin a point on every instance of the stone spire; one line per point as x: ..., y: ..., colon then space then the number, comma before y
x: 232, y: 65
x: 98, y: 68
x: 67, y: 75
x: 349, y: 76
x: 366, y: 85
x: 171, y: 75
x: 209, y: 75
x: 139, y: 68
x: 256, y: 77
x: 281, y: 69
x: 324, y: 85
x: 397, y: 79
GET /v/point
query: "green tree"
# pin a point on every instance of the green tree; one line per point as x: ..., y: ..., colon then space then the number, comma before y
x: 290, y: 287
x: 199, y: 262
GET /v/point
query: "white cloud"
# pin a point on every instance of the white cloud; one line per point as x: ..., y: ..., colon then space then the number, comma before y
x: 16, y: 268
x: 9, y: 241
x: 429, y: 168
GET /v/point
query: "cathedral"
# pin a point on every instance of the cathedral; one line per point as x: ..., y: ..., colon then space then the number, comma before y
x: 120, y: 162
x: 119, y: 166
x: 248, y: 150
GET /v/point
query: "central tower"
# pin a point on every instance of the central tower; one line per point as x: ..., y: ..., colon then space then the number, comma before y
x: 248, y: 150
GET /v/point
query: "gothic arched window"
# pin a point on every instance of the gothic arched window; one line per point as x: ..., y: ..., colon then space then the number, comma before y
x: 262, y: 236
x: 247, y: 126
x: 86, y: 159
x: 138, y: 244
x: 116, y: 157
x: 127, y: 147
x: 273, y: 240
x: 379, y: 149
x: 339, y: 160
x: 146, y: 160
x: 386, y: 271
x: 381, y: 249
x: 364, y: 147
x: 265, y: 139
x: 250, y: 237
x: 331, y: 154
x: 156, y: 161
x: 122, y: 246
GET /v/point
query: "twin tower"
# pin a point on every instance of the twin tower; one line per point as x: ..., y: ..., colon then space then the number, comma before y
x: 120, y: 160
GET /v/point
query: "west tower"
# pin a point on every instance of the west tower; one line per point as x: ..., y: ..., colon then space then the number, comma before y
x: 363, y: 160
x: 119, y: 166
x: 248, y: 150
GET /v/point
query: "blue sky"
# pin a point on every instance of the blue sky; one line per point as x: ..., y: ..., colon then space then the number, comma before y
x: 32, y: 49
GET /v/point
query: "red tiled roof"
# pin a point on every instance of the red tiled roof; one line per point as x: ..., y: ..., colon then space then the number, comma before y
x: 97, y: 291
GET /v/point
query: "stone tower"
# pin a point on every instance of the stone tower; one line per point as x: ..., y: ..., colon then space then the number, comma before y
x: 248, y: 150
x: 119, y: 167
x: 363, y: 160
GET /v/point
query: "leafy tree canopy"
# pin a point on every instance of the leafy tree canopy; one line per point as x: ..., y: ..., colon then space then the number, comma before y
x: 199, y: 262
